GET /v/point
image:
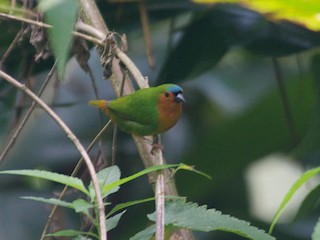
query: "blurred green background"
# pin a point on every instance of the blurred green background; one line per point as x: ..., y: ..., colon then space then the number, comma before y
x: 251, y: 118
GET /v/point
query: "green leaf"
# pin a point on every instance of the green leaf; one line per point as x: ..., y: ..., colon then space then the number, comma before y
x: 128, y: 204
x: 62, y: 15
x: 71, y: 233
x: 302, y: 180
x: 309, y: 203
x: 194, y: 217
x: 192, y: 169
x: 81, y: 205
x: 55, y: 177
x: 300, y: 11
x: 52, y: 201
x: 105, y: 177
x: 146, y: 234
x: 316, y: 232
x: 107, y: 188
x: 113, y: 221
x: 224, y: 26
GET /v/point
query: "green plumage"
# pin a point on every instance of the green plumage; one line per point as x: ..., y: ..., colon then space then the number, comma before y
x: 144, y: 111
x: 137, y: 113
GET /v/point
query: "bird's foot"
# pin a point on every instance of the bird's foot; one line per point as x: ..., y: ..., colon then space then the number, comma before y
x: 155, y: 144
x: 156, y: 147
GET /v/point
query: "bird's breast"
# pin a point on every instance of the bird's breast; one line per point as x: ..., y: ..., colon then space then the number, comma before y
x: 169, y: 114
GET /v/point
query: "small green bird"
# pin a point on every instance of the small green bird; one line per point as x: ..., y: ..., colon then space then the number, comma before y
x: 147, y: 111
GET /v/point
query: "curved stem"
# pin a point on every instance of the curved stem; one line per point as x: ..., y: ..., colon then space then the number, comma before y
x: 75, y: 140
x: 18, y: 130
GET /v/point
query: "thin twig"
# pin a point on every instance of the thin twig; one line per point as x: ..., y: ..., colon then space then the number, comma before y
x: 170, y: 33
x: 73, y: 174
x: 26, y: 20
x: 10, y: 48
x: 159, y: 195
x: 115, y: 129
x: 141, y: 81
x: 88, y: 38
x: 75, y: 140
x: 146, y: 33
x: 26, y: 117
x: 81, y: 26
x: 285, y: 101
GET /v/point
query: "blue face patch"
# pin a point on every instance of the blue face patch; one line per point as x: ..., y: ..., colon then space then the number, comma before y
x: 175, y: 89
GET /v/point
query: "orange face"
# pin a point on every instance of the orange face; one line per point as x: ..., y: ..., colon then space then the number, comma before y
x: 170, y: 108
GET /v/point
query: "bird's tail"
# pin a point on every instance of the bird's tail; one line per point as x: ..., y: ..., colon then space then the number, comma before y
x: 103, y: 104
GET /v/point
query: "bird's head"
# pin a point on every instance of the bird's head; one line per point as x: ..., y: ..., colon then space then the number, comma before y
x: 171, y: 93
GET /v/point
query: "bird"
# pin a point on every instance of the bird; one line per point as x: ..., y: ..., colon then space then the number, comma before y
x: 147, y: 111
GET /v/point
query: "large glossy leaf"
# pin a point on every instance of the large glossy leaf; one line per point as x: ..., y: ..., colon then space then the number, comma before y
x: 213, y: 32
x: 299, y: 11
x: 206, y: 39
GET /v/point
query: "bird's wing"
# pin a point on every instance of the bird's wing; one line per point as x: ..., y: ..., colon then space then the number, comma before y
x: 135, y: 111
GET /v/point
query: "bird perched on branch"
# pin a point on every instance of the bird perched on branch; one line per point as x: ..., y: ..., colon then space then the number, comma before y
x: 147, y: 111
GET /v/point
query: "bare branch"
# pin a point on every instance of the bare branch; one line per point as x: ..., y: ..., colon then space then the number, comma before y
x: 26, y: 20
x: 73, y: 174
x: 146, y: 32
x: 75, y: 140
x: 160, y: 195
x: 26, y: 117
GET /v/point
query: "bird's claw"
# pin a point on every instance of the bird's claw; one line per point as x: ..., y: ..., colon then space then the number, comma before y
x: 156, y: 146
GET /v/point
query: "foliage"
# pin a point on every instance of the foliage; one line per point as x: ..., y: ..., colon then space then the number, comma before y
x: 62, y: 16
x: 109, y: 180
x: 181, y: 214
x: 231, y: 58
x: 241, y: 27
x: 295, y: 11
x: 302, y: 180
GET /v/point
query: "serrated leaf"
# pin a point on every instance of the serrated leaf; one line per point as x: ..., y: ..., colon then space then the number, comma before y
x: 295, y: 187
x: 62, y: 15
x: 194, y: 217
x: 81, y: 205
x: 55, y: 177
x: 52, y: 201
x: 105, y: 177
x: 113, y: 221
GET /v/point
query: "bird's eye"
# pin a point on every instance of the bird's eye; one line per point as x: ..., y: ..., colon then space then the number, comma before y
x: 167, y: 94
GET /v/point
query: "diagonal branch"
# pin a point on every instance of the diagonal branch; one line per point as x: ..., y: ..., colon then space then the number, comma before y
x: 75, y: 140
x: 18, y: 130
x: 91, y: 16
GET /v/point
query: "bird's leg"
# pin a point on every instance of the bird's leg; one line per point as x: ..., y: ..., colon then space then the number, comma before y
x: 156, y: 145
